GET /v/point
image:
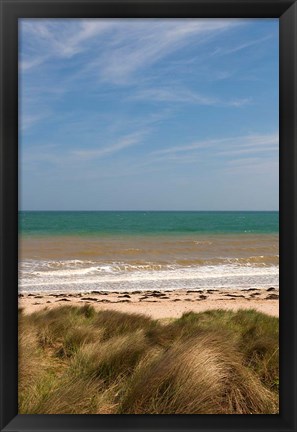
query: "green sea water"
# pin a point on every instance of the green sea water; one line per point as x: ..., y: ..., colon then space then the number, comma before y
x: 63, y: 223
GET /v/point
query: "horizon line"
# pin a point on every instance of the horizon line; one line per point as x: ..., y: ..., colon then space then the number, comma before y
x: 146, y: 210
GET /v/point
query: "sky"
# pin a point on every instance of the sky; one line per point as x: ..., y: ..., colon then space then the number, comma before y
x: 148, y: 114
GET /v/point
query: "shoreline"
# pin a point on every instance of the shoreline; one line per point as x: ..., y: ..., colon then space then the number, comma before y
x: 158, y: 304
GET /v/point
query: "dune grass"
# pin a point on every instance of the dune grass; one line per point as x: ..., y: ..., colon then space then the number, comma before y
x: 74, y: 360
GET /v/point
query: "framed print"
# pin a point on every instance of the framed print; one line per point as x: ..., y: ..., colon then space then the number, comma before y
x: 148, y: 217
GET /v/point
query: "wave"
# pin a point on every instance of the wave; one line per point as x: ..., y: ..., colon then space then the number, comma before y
x: 84, y: 275
x: 61, y: 267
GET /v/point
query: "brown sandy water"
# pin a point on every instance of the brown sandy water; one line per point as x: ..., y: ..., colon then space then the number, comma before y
x: 262, y: 249
x: 151, y: 262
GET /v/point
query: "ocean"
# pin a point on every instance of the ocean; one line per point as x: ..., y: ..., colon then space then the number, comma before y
x: 146, y: 250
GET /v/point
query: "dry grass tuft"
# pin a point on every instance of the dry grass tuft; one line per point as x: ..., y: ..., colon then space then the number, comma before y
x: 111, y: 359
x: 74, y: 360
x: 204, y: 375
x: 116, y: 323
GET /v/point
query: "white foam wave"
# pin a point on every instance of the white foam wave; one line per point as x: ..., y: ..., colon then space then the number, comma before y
x: 145, y: 276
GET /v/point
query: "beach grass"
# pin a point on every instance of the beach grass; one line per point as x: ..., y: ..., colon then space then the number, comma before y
x: 75, y: 360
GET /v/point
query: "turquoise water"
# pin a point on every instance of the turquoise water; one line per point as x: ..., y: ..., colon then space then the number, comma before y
x: 58, y: 223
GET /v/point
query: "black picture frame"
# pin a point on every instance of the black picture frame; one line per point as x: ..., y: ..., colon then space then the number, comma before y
x: 11, y: 11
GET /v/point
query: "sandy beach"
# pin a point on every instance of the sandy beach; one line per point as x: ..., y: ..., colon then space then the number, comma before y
x: 159, y: 304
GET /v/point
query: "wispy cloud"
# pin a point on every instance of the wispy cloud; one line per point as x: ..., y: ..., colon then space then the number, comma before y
x: 183, y: 95
x: 29, y: 120
x: 141, y: 47
x: 128, y: 48
x: 265, y: 168
x: 232, y: 145
x: 225, y: 51
x: 123, y: 143
x: 59, y: 38
x: 30, y: 63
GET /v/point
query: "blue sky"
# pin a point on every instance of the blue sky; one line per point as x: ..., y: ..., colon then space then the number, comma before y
x: 146, y: 114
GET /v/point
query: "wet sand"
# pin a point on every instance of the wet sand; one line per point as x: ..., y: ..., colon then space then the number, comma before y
x: 159, y: 304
